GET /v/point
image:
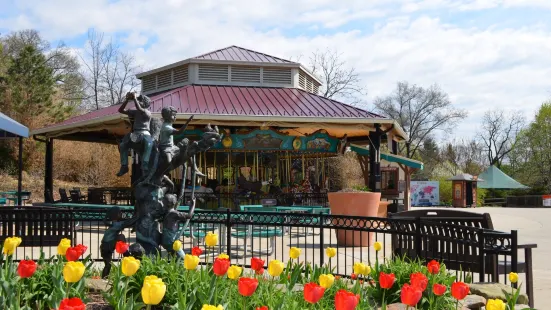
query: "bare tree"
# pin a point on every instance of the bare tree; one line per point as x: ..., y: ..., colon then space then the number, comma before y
x: 109, y: 72
x: 461, y: 155
x: 498, y: 133
x: 420, y: 112
x: 338, y: 79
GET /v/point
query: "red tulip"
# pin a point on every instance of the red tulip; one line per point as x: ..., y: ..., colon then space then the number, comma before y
x: 439, y: 289
x: 81, y: 248
x: 196, y: 251
x: 410, y: 295
x: 345, y: 300
x: 121, y: 247
x: 433, y: 267
x: 386, y: 280
x: 72, y: 304
x: 419, y: 280
x: 460, y: 290
x: 247, y: 286
x: 259, y: 271
x: 257, y: 264
x: 26, y: 268
x: 220, y: 266
x: 72, y: 254
x: 313, y: 292
x: 353, y: 276
x: 262, y: 308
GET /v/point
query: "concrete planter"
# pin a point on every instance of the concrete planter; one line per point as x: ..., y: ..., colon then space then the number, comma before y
x: 354, y: 204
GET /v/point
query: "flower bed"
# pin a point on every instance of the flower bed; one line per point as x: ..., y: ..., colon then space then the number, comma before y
x: 170, y: 283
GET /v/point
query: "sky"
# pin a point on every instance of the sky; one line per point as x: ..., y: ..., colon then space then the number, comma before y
x: 486, y: 54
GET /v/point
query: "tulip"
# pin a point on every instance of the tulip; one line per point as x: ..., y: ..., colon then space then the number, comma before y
x: 63, y: 245
x: 26, y: 268
x: 410, y: 295
x: 224, y: 256
x: 191, y: 262
x: 353, y: 276
x: 495, y: 304
x: 259, y: 271
x: 275, y: 268
x: 129, y: 266
x: 262, y: 308
x: 211, y: 307
x: 177, y: 245
x: 257, y: 264
x: 196, y: 251
x: 361, y: 268
x: 439, y: 289
x: 72, y: 304
x: 326, y: 280
x: 331, y: 252
x: 460, y: 290
x: 73, y: 271
x: 121, y: 247
x: 513, y: 277
x: 386, y: 280
x: 345, y: 300
x: 433, y: 267
x: 247, y: 286
x: 81, y: 249
x: 378, y: 246
x: 419, y: 280
x: 234, y: 272
x: 220, y: 266
x: 72, y: 254
x: 313, y: 292
x: 211, y: 240
x: 153, y: 290
x: 294, y: 253
x: 10, y: 244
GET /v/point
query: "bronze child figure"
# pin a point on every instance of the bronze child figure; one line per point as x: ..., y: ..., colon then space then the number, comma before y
x: 171, y: 223
x: 140, y: 137
x: 166, y: 139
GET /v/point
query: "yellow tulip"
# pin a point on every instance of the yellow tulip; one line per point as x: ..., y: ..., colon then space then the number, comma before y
x: 177, y: 245
x: 378, y: 246
x: 211, y: 240
x: 223, y: 256
x: 294, y: 253
x: 326, y: 280
x: 130, y: 266
x: 275, y: 268
x: 367, y: 270
x: 211, y: 307
x: 495, y: 304
x: 10, y: 244
x: 63, y: 245
x: 191, y: 262
x: 331, y: 252
x: 361, y: 269
x: 513, y: 277
x: 73, y: 271
x: 153, y: 290
x: 234, y: 272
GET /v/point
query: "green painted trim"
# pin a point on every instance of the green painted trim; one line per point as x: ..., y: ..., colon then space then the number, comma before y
x: 389, y: 157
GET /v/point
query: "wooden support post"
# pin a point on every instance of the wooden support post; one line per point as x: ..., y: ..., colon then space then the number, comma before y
x: 49, y: 172
x: 375, y: 159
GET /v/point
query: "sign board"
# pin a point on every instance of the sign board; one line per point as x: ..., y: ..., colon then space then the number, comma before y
x: 425, y: 193
x: 546, y: 200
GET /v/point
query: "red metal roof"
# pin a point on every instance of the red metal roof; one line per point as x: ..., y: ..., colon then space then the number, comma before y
x: 236, y: 53
x: 240, y: 101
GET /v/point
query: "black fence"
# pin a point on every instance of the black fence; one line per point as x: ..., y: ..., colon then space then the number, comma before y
x: 269, y: 235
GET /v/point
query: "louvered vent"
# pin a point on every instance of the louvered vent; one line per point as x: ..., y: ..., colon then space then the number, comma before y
x: 302, y: 81
x: 316, y: 89
x: 164, y: 79
x: 181, y: 74
x: 149, y: 83
x: 213, y: 73
x: 309, y: 85
x: 276, y: 76
x: 245, y: 74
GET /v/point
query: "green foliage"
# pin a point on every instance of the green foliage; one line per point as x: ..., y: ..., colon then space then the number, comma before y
x: 445, y: 188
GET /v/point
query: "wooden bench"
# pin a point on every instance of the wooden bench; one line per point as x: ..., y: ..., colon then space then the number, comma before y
x: 462, y: 241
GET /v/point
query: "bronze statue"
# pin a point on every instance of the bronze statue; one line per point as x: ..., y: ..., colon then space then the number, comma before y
x: 155, y: 200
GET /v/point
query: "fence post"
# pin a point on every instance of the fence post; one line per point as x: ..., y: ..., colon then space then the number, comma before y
x: 417, y: 240
x: 482, y: 255
x: 228, y: 232
x: 514, y: 253
x: 322, y: 239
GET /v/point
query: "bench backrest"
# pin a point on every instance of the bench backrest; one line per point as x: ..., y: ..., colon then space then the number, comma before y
x: 480, y: 220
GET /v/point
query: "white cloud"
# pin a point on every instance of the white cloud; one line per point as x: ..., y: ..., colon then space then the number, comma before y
x: 481, y: 68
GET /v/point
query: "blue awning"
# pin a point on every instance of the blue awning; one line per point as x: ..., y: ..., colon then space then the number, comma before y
x: 11, y: 129
x: 389, y: 157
